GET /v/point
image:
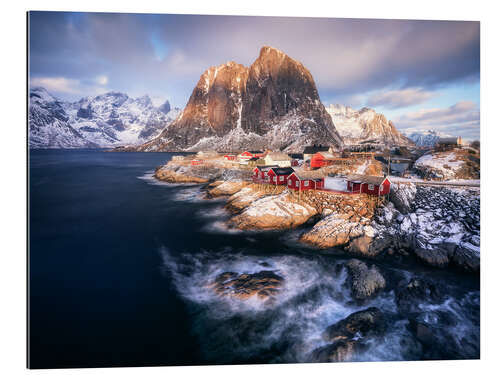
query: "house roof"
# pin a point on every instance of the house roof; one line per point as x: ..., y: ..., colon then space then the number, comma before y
x: 315, y: 149
x: 266, y: 167
x: 306, y: 176
x: 296, y: 156
x: 256, y: 152
x: 375, y: 180
x: 254, y: 158
x: 282, y: 171
x: 279, y: 156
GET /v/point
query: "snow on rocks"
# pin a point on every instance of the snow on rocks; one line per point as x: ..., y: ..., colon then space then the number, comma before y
x: 273, y: 212
x: 403, y: 195
x: 227, y: 188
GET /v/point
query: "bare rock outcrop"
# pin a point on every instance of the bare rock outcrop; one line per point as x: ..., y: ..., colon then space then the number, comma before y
x: 273, y: 212
x: 263, y: 284
x: 364, y: 281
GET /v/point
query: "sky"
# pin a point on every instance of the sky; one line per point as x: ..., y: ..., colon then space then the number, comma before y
x: 422, y: 75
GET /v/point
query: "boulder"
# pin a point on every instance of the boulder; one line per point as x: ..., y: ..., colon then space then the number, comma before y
x: 467, y: 257
x: 409, y: 294
x: 340, y: 351
x: 365, y: 323
x: 402, y: 196
x: 365, y: 281
x: 263, y: 284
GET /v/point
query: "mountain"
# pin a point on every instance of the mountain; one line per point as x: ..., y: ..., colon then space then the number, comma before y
x: 426, y: 138
x: 49, y: 123
x: 272, y: 104
x: 364, y: 126
x: 105, y: 120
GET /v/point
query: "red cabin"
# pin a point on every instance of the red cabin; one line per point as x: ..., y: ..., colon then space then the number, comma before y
x: 321, y: 159
x: 230, y: 157
x: 196, y: 162
x: 260, y: 173
x: 299, y: 182
x: 278, y: 176
x: 294, y: 163
x: 372, y: 185
x: 247, y: 155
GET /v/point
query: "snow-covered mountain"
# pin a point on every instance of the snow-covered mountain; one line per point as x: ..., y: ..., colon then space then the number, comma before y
x: 110, y: 119
x: 365, y: 125
x: 426, y: 138
x: 273, y: 104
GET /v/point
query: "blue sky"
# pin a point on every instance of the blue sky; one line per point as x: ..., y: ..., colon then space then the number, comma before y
x: 420, y: 74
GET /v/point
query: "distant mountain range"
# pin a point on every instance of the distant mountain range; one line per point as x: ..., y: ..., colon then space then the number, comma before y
x: 105, y: 120
x: 364, y: 126
x: 427, y: 138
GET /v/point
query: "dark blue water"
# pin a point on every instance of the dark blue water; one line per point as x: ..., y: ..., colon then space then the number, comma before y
x: 119, y: 265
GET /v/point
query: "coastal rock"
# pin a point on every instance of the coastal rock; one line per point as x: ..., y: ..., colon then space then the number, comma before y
x: 340, y: 351
x: 169, y: 175
x: 263, y: 284
x: 371, y: 243
x: 402, y: 196
x: 227, y: 188
x: 410, y: 294
x: 334, y: 230
x: 364, y: 323
x: 467, y: 257
x: 364, y: 281
x: 273, y: 212
x: 242, y: 199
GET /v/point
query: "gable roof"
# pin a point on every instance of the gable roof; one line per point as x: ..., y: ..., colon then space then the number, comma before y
x: 315, y: 149
x: 282, y: 171
x: 296, y: 156
x: 364, y: 179
x: 254, y: 158
x: 306, y: 176
x: 256, y: 152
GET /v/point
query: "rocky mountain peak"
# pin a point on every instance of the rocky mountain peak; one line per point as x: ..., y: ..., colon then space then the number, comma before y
x: 274, y: 104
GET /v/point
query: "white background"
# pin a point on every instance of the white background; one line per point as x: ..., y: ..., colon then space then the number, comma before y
x: 13, y: 169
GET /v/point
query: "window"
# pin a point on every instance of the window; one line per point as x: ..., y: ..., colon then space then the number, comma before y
x: 282, y: 178
x: 371, y: 187
x: 306, y: 183
x: 296, y: 183
x: 289, y: 182
x: 382, y: 188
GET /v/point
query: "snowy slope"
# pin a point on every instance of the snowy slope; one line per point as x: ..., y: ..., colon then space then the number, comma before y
x: 110, y: 119
x: 364, y: 125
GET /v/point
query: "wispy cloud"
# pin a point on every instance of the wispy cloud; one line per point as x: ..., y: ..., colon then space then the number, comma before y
x: 462, y: 118
x: 73, y: 87
x: 399, y: 98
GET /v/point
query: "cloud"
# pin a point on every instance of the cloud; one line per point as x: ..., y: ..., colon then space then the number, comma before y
x: 57, y: 84
x: 399, y: 98
x: 462, y: 118
x: 72, y: 88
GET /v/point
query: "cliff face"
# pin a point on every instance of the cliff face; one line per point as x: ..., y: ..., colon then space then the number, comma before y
x: 273, y: 104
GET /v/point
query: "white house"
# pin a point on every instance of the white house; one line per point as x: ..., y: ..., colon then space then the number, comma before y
x: 278, y: 158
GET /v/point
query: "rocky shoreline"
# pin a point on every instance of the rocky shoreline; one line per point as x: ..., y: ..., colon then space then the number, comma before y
x: 438, y: 226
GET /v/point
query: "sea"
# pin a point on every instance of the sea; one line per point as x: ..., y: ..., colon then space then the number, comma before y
x: 120, y: 266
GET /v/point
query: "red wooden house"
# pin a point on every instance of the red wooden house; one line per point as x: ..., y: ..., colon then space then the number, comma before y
x: 230, y: 157
x: 321, y: 159
x: 278, y: 176
x: 300, y: 182
x: 247, y: 155
x: 372, y: 185
x: 260, y: 172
